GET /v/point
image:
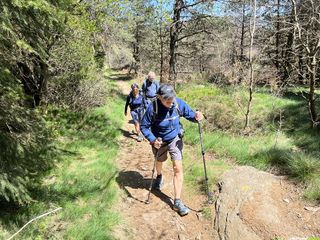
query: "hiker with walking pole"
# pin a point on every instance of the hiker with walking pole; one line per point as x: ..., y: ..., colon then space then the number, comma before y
x: 162, y: 120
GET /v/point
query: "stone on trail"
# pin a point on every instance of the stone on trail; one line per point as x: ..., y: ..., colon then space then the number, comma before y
x: 251, y: 205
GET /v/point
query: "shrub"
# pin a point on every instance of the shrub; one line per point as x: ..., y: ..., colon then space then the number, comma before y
x: 76, y: 82
x: 23, y: 142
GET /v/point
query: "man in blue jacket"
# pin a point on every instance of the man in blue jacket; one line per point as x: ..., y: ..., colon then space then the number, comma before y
x: 149, y: 88
x: 161, y: 121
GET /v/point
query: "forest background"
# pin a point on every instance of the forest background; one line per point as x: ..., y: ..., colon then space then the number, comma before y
x: 251, y: 66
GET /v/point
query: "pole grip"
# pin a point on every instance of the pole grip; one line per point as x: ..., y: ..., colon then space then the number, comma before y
x: 204, y: 116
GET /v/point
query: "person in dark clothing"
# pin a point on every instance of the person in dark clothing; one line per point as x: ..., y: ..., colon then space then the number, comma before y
x: 149, y: 88
x: 162, y: 121
x: 136, y: 102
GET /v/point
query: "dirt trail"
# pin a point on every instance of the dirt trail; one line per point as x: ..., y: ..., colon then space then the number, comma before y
x: 250, y: 204
x: 156, y: 220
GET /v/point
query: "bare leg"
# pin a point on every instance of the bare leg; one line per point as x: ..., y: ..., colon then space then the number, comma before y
x: 159, y: 167
x: 178, y: 178
x: 137, y: 127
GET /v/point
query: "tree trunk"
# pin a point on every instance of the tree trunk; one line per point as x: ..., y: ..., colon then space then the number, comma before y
x: 311, y: 49
x: 289, y: 57
x: 312, y: 100
x: 174, y: 36
x: 162, y: 44
x: 242, y: 58
x: 136, y: 51
x: 161, y: 55
x: 251, y: 82
x: 301, y: 67
x: 278, y: 37
x: 201, y: 57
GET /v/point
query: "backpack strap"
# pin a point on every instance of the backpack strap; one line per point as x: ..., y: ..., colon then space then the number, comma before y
x: 180, y: 114
x: 144, y: 87
x: 130, y: 98
x: 155, y: 109
x: 177, y: 108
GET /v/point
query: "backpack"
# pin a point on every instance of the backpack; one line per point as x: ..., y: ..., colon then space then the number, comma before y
x: 145, y: 85
x: 155, y: 115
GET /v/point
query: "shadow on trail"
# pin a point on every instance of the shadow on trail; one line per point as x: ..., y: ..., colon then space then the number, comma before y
x: 134, y: 179
x: 127, y: 134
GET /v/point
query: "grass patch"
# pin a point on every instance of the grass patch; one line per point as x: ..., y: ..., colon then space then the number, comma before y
x: 194, y: 169
x: 225, y: 107
x: 280, y: 133
x: 82, y: 183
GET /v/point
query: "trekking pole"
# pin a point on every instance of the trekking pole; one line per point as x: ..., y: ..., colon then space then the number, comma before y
x: 210, y: 201
x: 154, y: 166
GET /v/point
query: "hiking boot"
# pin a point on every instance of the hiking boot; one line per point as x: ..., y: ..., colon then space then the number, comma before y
x: 158, y: 182
x: 180, y: 207
x: 140, y: 137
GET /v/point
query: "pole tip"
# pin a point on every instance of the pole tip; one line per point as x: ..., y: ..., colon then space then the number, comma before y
x: 210, y: 196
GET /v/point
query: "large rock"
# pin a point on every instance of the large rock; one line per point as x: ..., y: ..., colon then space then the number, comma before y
x: 257, y: 205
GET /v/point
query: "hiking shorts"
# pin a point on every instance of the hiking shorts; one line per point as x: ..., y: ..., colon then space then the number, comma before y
x: 137, y: 115
x: 174, y: 148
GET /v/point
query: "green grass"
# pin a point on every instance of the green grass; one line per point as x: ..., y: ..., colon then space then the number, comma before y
x: 194, y: 168
x: 293, y: 148
x: 82, y: 183
x: 313, y: 238
x: 225, y: 107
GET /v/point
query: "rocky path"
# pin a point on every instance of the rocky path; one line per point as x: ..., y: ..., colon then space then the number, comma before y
x: 255, y: 205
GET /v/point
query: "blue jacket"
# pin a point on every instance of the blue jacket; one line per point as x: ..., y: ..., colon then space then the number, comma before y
x: 134, y: 102
x: 165, y: 124
x: 149, y: 88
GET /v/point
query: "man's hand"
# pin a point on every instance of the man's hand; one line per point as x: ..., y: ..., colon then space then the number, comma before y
x: 157, y: 143
x: 199, y: 116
